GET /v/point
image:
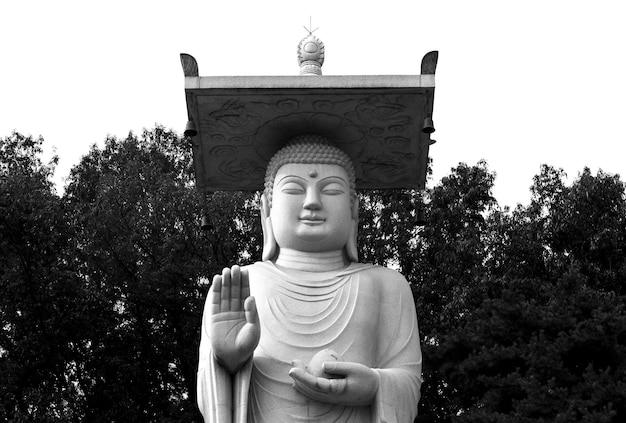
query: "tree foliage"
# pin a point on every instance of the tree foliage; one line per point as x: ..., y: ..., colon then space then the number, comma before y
x: 522, y: 312
x: 104, y: 287
x: 541, y: 330
x: 42, y: 324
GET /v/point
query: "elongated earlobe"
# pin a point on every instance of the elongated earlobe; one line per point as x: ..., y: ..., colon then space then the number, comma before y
x: 270, y: 248
x: 351, y: 249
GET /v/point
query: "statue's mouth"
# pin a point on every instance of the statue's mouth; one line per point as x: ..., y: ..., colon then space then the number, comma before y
x: 312, y: 220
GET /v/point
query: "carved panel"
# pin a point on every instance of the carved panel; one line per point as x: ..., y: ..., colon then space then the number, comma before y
x: 379, y: 128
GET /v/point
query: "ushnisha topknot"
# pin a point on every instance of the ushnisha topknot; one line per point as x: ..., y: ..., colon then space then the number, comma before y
x: 306, y: 149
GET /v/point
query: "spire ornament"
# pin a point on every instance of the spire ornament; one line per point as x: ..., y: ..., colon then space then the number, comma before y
x: 310, y: 54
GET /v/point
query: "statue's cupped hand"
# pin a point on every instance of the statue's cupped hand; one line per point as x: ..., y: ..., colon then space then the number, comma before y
x: 356, y: 384
x: 235, y: 329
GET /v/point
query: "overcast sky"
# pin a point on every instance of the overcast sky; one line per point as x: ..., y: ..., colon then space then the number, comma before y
x: 517, y: 84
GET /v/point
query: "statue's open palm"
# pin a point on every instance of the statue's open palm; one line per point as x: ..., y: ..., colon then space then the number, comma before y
x: 235, y: 329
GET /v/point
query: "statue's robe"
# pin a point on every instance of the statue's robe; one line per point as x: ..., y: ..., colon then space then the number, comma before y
x: 365, y: 313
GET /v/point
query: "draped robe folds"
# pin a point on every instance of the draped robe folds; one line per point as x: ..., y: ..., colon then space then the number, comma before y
x: 365, y: 313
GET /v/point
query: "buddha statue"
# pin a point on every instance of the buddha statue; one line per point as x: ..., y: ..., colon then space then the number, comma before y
x: 309, y: 334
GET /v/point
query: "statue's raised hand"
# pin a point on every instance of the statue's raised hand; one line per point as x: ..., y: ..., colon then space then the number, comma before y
x: 235, y: 329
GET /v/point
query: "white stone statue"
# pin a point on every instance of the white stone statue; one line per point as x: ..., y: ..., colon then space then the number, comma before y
x: 309, y: 334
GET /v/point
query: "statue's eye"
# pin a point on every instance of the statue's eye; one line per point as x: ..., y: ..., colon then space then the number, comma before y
x: 292, y: 188
x: 333, y: 189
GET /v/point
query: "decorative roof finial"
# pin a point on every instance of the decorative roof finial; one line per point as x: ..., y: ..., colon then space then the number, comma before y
x: 311, y: 53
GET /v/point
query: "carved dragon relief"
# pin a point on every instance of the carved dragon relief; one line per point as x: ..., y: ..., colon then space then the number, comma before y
x: 380, y: 111
x: 233, y: 117
x: 388, y: 166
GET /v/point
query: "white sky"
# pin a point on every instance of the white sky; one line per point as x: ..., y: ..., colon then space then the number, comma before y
x: 517, y: 84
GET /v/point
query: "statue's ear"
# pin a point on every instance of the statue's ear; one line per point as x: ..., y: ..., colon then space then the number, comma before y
x: 351, y: 249
x: 355, y: 208
x: 269, y: 242
x: 265, y: 207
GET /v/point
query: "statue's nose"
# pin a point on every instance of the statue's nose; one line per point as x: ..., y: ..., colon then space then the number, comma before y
x: 312, y: 200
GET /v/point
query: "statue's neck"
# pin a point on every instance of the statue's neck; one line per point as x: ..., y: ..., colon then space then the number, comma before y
x: 311, y: 261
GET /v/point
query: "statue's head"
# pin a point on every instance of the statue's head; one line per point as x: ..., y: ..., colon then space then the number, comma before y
x: 309, y: 202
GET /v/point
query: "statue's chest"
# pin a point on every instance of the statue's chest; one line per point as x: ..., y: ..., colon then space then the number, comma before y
x: 308, y: 317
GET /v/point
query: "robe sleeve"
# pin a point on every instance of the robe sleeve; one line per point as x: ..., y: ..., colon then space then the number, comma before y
x: 222, y: 397
x: 399, y: 365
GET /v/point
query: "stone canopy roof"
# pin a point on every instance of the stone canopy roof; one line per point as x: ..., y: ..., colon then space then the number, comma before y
x: 236, y: 123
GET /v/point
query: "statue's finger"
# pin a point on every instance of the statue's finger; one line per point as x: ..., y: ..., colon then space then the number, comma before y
x: 337, y: 386
x: 309, y: 386
x: 339, y: 368
x: 307, y: 380
x: 297, y: 385
x: 215, y: 294
x: 225, y: 297
x: 298, y: 364
x: 235, y: 289
x: 321, y: 383
x: 245, y: 284
x: 252, y: 316
x: 297, y: 373
x: 300, y: 382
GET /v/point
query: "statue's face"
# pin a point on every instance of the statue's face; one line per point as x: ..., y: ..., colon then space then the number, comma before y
x: 311, y: 207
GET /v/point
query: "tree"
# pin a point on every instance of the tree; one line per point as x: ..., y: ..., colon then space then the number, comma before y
x: 44, y: 323
x: 540, y: 352
x: 451, y: 255
x: 588, y: 226
x: 546, y: 341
